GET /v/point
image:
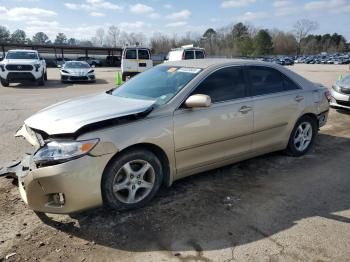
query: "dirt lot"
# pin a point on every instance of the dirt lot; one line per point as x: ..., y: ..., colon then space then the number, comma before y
x: 271, y: 208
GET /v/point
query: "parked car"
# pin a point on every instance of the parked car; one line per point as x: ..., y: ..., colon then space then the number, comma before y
x: 59, y: 62
x: 174, y: 120
x: 341, y: 93
x: 73, y: 71
x: 90, y: 60
x: 22, y: 65
x: 186, y: 52
x: 288, y: 61
x: 135, y: 60
x: 113, y: 60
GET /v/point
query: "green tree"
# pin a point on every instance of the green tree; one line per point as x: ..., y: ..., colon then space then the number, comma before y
x: 40, y: 38
x: 61, y: 39
x: 240, y: 30
x: 18, y: 36
x: 4, y: 34
x: 246, y: 46
x: 263, y: 43
x: 209, y: 33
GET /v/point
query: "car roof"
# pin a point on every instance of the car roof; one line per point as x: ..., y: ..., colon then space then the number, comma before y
x: 212, y: 62
x: 23, y: 50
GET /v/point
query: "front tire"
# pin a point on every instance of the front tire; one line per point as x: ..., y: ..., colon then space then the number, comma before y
x: 131, y: 180
x: 4, y: 82
x: 302, y: 137
x: 41, y: 80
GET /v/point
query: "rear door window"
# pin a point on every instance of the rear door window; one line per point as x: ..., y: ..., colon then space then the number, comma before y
x: 143, y: 54
x: 130, y: 54
x: 199, y: 54
x: 265, y: 80
x: 289, y: 84
x: 189, y: 55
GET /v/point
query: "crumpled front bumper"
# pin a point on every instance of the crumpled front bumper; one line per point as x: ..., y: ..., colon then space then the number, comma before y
x: 63, y: 188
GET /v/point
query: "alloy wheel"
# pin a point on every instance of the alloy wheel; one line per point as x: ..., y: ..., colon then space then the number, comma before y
x: 134, y: 181
x: 303, y: 136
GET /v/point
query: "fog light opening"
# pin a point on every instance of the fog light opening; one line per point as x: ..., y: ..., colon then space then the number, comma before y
x: 56, y: 199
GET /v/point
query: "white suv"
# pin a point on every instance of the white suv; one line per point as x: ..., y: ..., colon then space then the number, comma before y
x: 186, y: 52
x: 21, y: 65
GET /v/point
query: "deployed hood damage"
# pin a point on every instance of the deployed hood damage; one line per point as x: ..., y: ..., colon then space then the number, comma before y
x: 80, y: 115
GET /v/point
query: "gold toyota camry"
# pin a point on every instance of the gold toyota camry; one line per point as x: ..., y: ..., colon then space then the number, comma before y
x: 174, y: 120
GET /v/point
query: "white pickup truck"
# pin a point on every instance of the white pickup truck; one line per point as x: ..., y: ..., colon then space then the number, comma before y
x: 23, y: 65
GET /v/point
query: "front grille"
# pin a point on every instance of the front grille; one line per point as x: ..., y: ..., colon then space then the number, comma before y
x: 345, y: 90
x: 79, y: 78
x: 20, y: 76
x: 19, y: 67
x: 343, y: 103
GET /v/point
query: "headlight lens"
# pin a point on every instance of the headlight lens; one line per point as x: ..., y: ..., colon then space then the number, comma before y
x: 91, y: 71
x: 65, y: 71
x: 61, y: 151
x: 37, y: 66
x: 2, y: 67
x: 336, y: 88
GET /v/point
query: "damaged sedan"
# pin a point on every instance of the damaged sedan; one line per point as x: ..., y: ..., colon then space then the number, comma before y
x: 174, y: 120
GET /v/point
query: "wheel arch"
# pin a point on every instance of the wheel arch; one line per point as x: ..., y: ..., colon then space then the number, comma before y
x: 311, y: 115
x: 159, y: 152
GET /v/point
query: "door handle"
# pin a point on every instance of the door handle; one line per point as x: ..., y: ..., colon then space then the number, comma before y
x: 245, y: 109
x: 299, y: 98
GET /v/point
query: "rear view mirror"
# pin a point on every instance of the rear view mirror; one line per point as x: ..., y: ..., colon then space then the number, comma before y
x: 197, y: 101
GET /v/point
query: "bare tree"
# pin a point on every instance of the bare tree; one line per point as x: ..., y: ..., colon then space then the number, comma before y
x: 113, y: 34
x: 100, y: 36
x: 302, y: 28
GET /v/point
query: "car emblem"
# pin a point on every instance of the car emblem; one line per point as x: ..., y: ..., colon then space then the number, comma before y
x: 19, y: 67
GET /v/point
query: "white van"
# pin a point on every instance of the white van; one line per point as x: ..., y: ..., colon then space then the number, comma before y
x: 186, y: 52
x: 135, y: 60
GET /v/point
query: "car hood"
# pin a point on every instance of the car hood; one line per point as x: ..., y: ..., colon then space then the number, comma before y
x: 20, y: 61
x: 69, y: 116
x: 77, y: 71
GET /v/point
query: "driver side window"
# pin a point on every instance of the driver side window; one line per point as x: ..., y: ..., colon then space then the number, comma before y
x: 223, y: 85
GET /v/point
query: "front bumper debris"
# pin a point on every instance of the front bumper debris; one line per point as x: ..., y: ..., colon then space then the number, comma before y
x: 18, y: 168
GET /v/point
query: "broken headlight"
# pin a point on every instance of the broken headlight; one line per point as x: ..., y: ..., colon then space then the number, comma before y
x: 61, y: 151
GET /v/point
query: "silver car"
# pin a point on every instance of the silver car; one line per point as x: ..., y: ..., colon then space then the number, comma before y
x: 73, y: 71
x: 341, y: 93
x: 174, y: 120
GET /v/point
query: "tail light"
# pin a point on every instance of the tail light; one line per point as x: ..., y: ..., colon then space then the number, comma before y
x: 328, y: 95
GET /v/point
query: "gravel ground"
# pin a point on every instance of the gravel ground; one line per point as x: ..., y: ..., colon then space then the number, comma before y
x: 270, y: 208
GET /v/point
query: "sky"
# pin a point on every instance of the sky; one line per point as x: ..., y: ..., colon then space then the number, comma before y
x: 81, y: 18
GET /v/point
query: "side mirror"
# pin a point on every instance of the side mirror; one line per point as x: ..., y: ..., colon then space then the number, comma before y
x: 93, y: 66
x: 59, y: 66
x: 197, y: 101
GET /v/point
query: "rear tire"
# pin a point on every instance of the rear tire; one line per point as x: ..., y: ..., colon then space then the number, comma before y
x: 45, y: 76
x: 131, y: 180
x: 124, y: 77
x: 302, y: 137
x: 4, y: 82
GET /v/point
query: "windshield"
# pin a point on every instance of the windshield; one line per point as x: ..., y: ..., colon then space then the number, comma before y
x: 346, y: 80
x: 76, y: 65
x: 160, y: 83
x: 22, y: 55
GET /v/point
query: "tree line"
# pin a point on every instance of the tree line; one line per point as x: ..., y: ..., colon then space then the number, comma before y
x: 234, y: 40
